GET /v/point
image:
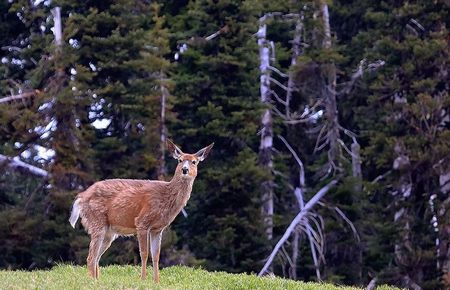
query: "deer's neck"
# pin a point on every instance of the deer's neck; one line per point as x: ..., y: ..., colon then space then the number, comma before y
x: 180, y: 189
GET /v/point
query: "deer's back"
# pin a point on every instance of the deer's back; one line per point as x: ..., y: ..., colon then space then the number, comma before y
x: 117, y: 202
x: 110, y: 188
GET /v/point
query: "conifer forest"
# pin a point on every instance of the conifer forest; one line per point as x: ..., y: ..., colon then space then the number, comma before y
x: 330, y: 120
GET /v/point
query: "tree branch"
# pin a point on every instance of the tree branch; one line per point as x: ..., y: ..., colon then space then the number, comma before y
x: 359, y: 72
x: 12, y: 48
x: 278, y: 83
x: 312, y: 202
x: 272, y: 68
x: 299, y: 196
x: 372, y: 284
x: 280, y: 100
x: 217, y: 33
x: 19, y: 96
x: 16, y: 164
x: 299, y: 162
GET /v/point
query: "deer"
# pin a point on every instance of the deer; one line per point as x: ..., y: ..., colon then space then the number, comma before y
x: 124, y: 207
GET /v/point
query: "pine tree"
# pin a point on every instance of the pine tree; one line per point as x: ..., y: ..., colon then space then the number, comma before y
x: 401, y: 118
x: 123, y: 46
x: 215, y: 93
x: 106, y: 67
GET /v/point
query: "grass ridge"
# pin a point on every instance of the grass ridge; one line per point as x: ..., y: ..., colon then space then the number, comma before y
x: 173, y: 278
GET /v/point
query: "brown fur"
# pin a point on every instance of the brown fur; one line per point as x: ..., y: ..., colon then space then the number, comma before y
x: 116, y: 207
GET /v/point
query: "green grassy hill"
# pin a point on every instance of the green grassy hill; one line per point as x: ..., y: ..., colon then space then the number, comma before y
x: 127, y: 277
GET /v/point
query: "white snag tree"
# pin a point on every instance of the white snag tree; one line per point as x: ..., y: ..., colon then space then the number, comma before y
x: 265, y: 148
x: 281, y: 94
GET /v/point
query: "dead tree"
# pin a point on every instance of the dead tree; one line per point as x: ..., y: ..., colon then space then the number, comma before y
x: 298, y: 218
x: 265, y: 148
x: 316, y: 245
x: 330, y: 129
x: 164, y: 94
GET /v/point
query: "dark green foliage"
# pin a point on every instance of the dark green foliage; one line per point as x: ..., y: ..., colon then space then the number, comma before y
x: 116, y: 56
x: 396, y: 115
x: 216, y: 94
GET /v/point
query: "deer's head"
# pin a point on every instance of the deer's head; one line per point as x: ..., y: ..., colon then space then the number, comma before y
x: 187, y: 163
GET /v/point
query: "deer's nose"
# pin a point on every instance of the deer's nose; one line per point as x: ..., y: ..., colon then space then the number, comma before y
x: 185, y: 170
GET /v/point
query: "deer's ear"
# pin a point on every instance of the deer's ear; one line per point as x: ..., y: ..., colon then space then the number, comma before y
x: 174, y: 150
x: 203, y: 153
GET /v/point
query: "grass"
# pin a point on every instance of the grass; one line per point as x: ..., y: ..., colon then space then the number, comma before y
x: 127, y: 277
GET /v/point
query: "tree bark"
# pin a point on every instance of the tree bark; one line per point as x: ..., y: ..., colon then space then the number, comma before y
x: 405, y: 255
x: 296, y: 51
x: 326, y: 24
x: 329, y: 95
x: 265, y: 148
x: 295, y: 244
x: 356, y: 166
x: 67, y: 169
x: 57, y: 28
x: 162, y: 170
x: 443, y: 239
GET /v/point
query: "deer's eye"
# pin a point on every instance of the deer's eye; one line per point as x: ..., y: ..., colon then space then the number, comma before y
x: 179, y: 160
x: 194, y: 162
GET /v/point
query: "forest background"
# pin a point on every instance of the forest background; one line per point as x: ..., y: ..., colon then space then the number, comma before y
x: 341, y: 103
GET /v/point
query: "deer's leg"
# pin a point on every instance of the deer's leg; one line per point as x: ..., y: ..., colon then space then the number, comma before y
x: 107, y: 241
x: 155, y: 242
x: 142, y: 236
x: 97, y: 237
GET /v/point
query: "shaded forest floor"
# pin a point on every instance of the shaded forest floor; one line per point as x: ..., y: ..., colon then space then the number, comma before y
x: 127, y: 277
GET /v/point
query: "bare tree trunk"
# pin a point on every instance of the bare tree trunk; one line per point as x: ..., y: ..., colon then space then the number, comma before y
x: 295, y: 244
x: 331, y: 115
x: 405, y: 255
x: 162, y: 170
x: 296, y: 51
x: 410, y: 283
x: 62, y: 136
x: 357, y: 174
x: 356, y: 166
x: 265, y: 148
x: 443, y: 240
x: 372, y: 284
x: 67, y: 167
x: 326, y: 24
x: 57, y: 28
x: 329, y: 95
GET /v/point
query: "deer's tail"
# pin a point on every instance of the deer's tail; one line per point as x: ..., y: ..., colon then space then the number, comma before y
x: 75, y: 215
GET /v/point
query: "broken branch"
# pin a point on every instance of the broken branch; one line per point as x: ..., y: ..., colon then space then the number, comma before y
x: 312, y: 202
x: 19, y: 96
x: 16, y: 164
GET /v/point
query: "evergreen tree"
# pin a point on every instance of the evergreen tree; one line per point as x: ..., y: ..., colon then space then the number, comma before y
x: 128, y: 74
x: 106, y: 67
x: 400, y: 115
x: 216, y: 92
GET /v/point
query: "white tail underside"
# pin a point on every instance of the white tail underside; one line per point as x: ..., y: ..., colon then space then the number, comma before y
x: 75, y: 213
